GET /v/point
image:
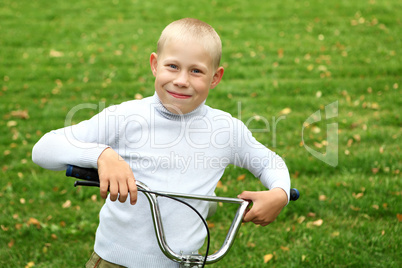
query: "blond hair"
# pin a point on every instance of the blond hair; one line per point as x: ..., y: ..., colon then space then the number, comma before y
x: 195, y: 30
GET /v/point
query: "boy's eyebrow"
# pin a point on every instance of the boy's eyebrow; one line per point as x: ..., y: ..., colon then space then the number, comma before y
x: 173, y: 60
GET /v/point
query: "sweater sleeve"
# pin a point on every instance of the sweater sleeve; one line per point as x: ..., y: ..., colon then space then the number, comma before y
x: 79, y: 145
x: 260, y: 161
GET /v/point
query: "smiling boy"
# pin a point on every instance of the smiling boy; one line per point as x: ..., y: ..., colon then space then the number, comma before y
x: 173, y: 124
x: 185, y: 69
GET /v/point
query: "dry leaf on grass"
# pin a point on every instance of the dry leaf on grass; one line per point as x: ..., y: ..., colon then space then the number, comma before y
x: 315, y: 223
x: 67, y: 204
x: 375, y: 170
x: 268, y: 257
x: 55, y: 54
x: 21, y: 114
x: 318, y: 145
x: 358, y: 196
x: 285, y: 111
x: 318, y: 222
x: 221, y: 186
x: 354, y: 208
x: 33, y: 221
x: 11, y: 243
x: 11, y: 123
x: 335, y: 234
x: 301, y: 219
x: 30, y: 264
x: 241, y: 177
x: 357, y: 137
x: 250, y: 244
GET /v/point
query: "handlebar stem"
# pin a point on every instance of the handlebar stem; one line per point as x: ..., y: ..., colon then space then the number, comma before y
x: 193, y: 259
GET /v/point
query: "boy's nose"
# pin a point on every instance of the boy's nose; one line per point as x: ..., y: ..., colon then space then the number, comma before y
x: 181, y: 79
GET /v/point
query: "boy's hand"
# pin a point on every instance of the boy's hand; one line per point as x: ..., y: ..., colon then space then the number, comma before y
x: 266, y: 205
x: 116, y: 175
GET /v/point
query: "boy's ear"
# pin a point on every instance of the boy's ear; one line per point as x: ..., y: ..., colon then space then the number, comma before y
x: 217, y: 77
x: 153, y: 60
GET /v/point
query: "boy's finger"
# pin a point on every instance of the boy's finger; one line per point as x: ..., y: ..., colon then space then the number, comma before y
x: 132, y: 187
x: 246, y: 195
x: 103, y: 188
x: 248, y: 216
x: 123, y: 192
x: 113, y: 191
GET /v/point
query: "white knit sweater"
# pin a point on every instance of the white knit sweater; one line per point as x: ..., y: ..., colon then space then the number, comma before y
x: 168, y: 152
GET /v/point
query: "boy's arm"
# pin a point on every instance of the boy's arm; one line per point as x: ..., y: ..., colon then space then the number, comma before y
x: 55, y: 150
x: 272, y: 172
x: 86, y: 145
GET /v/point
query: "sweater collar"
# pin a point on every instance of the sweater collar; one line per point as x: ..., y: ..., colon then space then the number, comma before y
x: 161, y: 109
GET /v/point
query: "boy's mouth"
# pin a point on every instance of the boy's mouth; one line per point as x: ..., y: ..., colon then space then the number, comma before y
x: 178, y: 95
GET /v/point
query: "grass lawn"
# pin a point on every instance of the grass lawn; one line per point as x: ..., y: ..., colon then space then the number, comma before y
x: 285, y: 62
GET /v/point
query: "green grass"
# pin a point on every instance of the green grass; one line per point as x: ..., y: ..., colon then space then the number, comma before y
x: 301, y: 55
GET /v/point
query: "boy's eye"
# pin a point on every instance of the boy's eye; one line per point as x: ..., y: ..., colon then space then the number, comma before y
x: 196, y: 71
x: 172, y: 66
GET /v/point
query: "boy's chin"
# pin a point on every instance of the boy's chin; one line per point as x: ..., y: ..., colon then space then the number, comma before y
x: 179, y: 109
x: 175, y: 109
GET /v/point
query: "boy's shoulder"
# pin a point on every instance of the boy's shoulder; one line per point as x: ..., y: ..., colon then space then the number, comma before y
x: 213, y: 112
x: 131, y: 105
x: 142, y: 102
x: 220, y: 116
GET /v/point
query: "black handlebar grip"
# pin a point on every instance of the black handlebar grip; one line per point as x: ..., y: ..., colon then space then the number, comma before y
x: 88, y: 174
x: 294, y: 194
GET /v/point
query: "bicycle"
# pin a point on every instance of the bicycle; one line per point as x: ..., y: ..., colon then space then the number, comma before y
x: 91, y: 178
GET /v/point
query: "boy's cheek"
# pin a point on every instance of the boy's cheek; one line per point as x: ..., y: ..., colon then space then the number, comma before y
x: 162, y: 76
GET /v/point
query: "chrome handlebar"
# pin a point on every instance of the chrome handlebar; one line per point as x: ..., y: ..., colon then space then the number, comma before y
x: 193, y: 259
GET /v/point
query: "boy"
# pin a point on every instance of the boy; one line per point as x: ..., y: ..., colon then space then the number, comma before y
x: 171, y: 142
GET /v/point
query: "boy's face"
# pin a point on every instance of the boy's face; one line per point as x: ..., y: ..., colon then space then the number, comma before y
x: 184, y: 74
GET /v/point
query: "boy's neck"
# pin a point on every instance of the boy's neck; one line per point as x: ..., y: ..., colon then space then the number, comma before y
x: 199, y: 111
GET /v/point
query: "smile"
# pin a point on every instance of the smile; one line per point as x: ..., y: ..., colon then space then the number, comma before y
x: 178, y: 96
